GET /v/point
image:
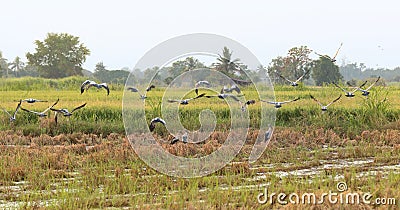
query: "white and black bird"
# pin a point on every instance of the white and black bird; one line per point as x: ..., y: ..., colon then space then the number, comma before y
x: 325, y: 107
x: 293, y: 83
x: 186, y: 101
x: 154, y: 121
x: 278, y: 104
x: 201, y: 83
x: 223, y: 95
x: 13, y: 117
x: 43, y: 113
x: 231, y: 89
x: 32, y: 100
x: 249, y: 102
x: 65, y: 112
x: 142, y: 96
x: 349, y: 94
x: 89, y: 83
x: 365, y: 92
x: 332, y: 59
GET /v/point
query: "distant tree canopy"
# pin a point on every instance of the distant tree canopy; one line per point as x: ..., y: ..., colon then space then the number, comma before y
x: 59, y: 55
x: 114, y: 76
x: 291, y: 66
x: 179, y: 67
x: 325, y: 71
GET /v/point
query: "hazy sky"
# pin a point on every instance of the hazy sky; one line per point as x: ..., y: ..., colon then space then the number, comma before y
x: 120, y: 32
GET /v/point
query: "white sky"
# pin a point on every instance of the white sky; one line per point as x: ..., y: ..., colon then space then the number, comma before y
x: 120, y: 32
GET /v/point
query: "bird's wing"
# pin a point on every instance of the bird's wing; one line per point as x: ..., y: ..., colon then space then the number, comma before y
x: 363, y: 84
x: 270, y: 102
x: 236, y: 88
x: 222, y: 91
x: 105, y: 86
x: 373, y: 84
x: 37, y: 113
x: 18, y: 106
x: 55, y: 118
x: 316, y: 100
x: 337, y: 51
x: 84, y: 85
x: 173, y: 100
x: 46, y: 110
x: 302, y: 76
x: 79, y: 107
x: 211, y: 96
x: 199, y: 96
x: 133, y: 89
x: 325, y: 56
x: 334, y: 100
x: 7, y: 112
x: 284, y: 77
x: 150, y: 87
x: 56, y: 110
x: 284, y: 102
x: 340, y: 87
x: 157, y: 120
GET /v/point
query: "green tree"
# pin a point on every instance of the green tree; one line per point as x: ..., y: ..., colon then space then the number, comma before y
x: 179, y: 67
x: 17, y: 66
x: 292, y: 66
x: 226, y: 64
x: 325, y: 71
x: 100, y: 67
x: 59, y: 55
x: 3, y: 65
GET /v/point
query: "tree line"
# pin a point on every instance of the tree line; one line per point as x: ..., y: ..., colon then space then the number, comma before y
x: 62, y: 55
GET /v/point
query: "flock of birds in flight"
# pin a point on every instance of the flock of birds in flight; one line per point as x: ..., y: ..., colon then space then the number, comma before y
x: 226, y: 92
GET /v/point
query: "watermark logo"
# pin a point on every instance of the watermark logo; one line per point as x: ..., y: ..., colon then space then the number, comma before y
x: 339, y: 196
x: 140, y: 109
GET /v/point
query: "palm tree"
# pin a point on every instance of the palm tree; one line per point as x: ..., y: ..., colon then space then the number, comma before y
x: 17, y: 65
x: 225, y: 63
x: 3, y: 64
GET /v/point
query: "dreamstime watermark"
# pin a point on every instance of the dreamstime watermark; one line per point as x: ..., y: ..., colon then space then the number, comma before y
x: 340, y: 196
x: 136, y: 116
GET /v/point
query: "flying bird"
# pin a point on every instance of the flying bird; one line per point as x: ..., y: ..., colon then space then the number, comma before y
x: 231, y: 89
x: 349, y: 94
x: 154, y: 121
x: 278, y: 104
x: 223, y: 95
x: 249, y: 102
x: 12, y: 117
x: 41, y: 114
x: 186, y: 101
x: 325, y: 107
x: 201, y: 83
x: 293, y: 83
x: 365, y: 92
x: 142, y: 96
x: 65, y: 112
x: 32, y: 100
x: 89, y: 83
x: 333, y: 59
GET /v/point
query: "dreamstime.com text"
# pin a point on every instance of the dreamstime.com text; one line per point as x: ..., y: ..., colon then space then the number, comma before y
x: 332, y: 197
